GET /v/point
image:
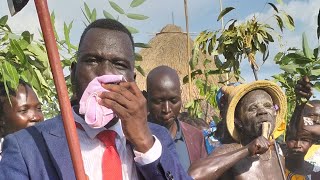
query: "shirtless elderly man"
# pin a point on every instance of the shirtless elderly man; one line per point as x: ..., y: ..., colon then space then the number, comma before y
x: 250, y: 156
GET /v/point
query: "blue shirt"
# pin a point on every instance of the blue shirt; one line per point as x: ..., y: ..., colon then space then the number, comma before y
x: 181, y: 148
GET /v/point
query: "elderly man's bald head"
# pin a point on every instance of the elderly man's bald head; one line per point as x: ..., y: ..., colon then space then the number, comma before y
x: 162, y: 75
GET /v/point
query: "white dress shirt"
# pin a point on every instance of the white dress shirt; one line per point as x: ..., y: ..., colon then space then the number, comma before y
x: 1, y: 141
x: 92, y: 150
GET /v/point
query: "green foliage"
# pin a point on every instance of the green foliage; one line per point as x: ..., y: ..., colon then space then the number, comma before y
x: 137, y: 16
x: 280, y: 1
x: 23, y: 58
x: 318, y: 29
x: 90, y: 15
x: 194, y: 108
x: 207, y: 91
x: 297, y: 63
x: 116, y: 7
x: 3, y: 21
x: 136, y: 3
x: 238, y: 41
x: 142, y: 45
x: 67, y: 52
x: 224, y: 12
x: 132, y: 29
x: 107, y: 15
x: 274, y: 7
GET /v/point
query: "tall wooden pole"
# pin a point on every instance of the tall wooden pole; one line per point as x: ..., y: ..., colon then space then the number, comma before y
x: 222, y: 23
x: 188, y: 49
x: 60, y: 84
x: 222, y: 28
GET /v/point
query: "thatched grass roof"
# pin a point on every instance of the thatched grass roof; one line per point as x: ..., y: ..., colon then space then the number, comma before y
x: 169, y: 47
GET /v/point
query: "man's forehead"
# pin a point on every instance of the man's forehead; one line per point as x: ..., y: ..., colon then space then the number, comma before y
x: 258, y: 91
x: 300, y: 135
x: 102, y: 35
x: 106, y: 44
x: 256, y: 95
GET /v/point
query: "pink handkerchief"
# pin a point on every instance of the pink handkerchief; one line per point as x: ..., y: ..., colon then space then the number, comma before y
x: 95, y: 115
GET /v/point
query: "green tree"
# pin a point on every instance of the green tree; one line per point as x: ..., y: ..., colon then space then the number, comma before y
x: 234, y: 42
x: 295, y: 64
x: 23, y: 58
x: 238, y: 41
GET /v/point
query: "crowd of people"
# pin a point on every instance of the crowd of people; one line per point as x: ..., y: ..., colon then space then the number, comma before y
x: 126, y: 133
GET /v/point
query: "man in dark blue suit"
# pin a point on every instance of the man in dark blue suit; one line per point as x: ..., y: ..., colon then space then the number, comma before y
x: 146, y: 150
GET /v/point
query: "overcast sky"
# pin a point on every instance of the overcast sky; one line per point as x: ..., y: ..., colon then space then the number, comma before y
x: 202, y: 14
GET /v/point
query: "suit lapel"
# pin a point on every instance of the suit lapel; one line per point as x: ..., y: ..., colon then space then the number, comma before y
x: 188, y: 137
x: 59, y: 152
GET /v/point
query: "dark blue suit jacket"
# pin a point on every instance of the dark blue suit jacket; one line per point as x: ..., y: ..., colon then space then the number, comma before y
x: 41, y: 152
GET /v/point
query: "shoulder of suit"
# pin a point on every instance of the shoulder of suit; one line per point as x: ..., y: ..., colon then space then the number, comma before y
x: 154, y: 125
x: 50, y: 123
x: 46, y: 125
x: 157, y: 129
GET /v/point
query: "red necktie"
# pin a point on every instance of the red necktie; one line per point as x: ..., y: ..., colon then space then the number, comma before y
x: 111, y: 163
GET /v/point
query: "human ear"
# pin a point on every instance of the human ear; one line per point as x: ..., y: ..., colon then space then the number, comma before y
x: 73, y: 79
x: 73, y: 71
x: 238, y: 124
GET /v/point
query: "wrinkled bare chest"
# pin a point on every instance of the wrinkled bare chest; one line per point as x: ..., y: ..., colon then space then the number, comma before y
x: 264, y: 167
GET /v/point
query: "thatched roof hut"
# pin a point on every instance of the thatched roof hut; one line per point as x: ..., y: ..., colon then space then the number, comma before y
x: 169, y: 47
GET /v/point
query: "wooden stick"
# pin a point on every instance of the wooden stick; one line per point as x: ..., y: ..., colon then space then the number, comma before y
x: 188, y: 49
x: 59, y: 81
x: 266, y: 126
x: 266, y: 132
x: 222, y: 28
x: 254, y: 73
x: 279, y: 160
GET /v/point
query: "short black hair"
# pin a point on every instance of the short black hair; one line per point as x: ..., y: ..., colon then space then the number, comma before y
x: 294, y: 133
x: 109, y: 24
x: 12, y: 92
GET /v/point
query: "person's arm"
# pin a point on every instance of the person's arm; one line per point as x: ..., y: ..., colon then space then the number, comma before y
x: 303, y: 90
x: 314, y: 129
x: 220, y: 161
x: 214, y: 166
x: 296, y: 121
